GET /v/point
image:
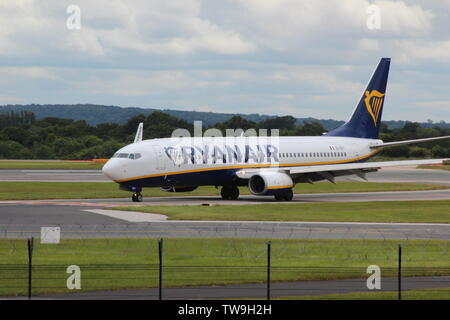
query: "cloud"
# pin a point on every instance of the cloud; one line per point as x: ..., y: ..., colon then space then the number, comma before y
x: 307, y: 58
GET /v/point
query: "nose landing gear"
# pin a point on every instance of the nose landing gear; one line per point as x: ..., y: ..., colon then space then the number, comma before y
x: 136, y: 197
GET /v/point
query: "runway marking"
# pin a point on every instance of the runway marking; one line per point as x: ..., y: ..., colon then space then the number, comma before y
x: 302, y: 224
x: 60, y: 203
x: 46, y: 171
x: 62, y: 174
x: 130, y: 216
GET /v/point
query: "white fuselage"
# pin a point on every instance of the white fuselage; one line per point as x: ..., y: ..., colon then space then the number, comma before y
x: 212, y: 161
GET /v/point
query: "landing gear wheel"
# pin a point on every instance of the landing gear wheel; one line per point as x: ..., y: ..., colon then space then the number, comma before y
x: 278, y: 197
x: 229, y: 193
x: 289, y: 195
x: 285, y: 195
x: 137, y: 197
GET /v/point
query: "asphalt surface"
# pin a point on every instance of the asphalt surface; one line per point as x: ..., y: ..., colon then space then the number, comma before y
x: 52, y: 175
x: 24, y: 221
x: 392, y: 174
x: 278, y: 289
x: 89, y: 219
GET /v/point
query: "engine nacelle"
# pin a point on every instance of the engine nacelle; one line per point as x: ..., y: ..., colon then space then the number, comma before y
x: 269, y: 183
x: 179, y: 189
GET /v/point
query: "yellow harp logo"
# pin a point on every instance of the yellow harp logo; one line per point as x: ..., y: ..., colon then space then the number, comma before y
x: 374, y: 101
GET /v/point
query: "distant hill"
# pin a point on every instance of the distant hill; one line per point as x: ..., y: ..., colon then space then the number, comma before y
x: 95, y: 114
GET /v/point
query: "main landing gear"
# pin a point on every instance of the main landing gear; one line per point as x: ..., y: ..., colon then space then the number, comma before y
x: 136, y: 197
x: 284, y: 195
x: 229, y: 193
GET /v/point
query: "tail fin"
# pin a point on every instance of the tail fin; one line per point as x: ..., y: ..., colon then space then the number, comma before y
x: 366, y: 119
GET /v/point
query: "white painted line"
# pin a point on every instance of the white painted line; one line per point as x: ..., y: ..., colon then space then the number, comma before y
x: 63, y: 174
x: 130, y: 216
x: 318, y: 223
x: 60, y: 171
x: 153, y: 217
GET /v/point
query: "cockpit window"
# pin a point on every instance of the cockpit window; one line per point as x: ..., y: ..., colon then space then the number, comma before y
x: 132, y: 156
x: 123, y: 155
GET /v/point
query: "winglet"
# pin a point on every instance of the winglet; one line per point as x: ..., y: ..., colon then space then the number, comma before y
x: 139, y: 133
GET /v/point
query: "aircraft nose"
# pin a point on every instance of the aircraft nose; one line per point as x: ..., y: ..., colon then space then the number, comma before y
x: 111, y: 169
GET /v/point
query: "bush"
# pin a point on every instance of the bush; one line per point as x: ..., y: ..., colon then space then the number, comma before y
x: 418, y: 152
x: 14, y: 150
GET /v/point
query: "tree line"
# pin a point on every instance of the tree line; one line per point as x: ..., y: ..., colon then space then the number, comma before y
x: 24, y: 137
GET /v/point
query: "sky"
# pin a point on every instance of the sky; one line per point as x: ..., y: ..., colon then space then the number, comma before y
x: 279, y: 57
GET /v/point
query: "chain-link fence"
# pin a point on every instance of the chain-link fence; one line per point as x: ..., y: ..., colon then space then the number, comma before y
x: 216, y: 268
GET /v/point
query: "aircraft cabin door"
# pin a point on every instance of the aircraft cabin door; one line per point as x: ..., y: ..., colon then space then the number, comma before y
x: 159, y: 157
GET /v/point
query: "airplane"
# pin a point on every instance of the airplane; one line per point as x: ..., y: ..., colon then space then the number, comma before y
x: 267, y: 165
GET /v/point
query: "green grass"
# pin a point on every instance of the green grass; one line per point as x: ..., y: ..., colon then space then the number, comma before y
x: 132, y: 263
x: 421, y: 294
x: 48, y: 164
x: 436, y: 211
x: 95, y: 190
x: 435, y: 167
x: 59, y: 190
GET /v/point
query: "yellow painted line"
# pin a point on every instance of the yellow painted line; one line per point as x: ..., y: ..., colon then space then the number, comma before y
x: 255, y: 166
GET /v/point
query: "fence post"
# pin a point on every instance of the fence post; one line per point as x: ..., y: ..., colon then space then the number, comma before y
x: 268, y: 269
x: 399, y: 274
x: 30, y: 265
x: 160, y: 250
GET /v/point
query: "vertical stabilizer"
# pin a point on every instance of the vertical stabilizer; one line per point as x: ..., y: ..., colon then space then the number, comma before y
x: 365, y: 120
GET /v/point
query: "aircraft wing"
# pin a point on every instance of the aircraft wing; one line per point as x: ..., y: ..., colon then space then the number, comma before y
x: 398, y: 143
x: 330, y: 171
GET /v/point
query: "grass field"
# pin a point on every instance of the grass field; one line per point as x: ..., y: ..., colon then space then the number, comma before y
x: 436, y: 211
x: 132, y: 263
x: 422, y: 294
x: 443, y: 167
x: 49, y: 164
x: 96, y: 190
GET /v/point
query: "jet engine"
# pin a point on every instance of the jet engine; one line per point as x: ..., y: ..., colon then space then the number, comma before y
x: 266, y: 183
